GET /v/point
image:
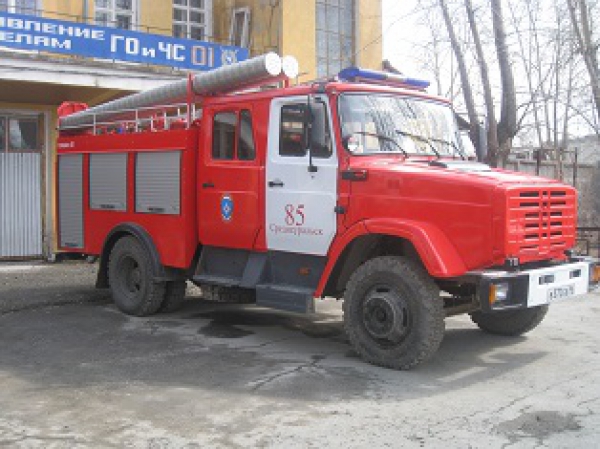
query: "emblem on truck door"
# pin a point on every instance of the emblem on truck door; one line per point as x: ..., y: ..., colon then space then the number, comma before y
x: 226, y: 207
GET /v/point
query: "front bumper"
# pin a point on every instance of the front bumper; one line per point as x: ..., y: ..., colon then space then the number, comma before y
x: 506, y: 290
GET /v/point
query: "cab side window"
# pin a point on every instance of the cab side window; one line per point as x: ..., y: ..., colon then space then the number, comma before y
x: 245, y: 149
x: 224, y: 125
x: 233, y: 134
x: 293, y: 134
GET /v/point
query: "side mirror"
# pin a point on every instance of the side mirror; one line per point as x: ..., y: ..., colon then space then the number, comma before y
x: 351, y: 143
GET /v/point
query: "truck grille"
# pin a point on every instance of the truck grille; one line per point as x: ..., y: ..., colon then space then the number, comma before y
x: 541, y: 222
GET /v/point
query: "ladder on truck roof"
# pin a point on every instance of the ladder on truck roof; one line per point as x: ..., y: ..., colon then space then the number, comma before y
x: 164, y: 104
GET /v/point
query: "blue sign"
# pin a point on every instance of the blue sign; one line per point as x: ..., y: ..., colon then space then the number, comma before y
x: 226, y: 208
x: 58, y: 36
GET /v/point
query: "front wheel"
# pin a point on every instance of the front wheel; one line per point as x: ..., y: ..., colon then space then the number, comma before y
x: 510, y: 322
x: 393, y: 314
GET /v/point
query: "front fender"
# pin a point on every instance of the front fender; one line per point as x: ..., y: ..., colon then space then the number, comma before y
x: 437, y: 253
x: 435, y: 250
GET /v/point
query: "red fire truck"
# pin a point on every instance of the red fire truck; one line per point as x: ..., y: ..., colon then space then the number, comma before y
x: 355, y: 187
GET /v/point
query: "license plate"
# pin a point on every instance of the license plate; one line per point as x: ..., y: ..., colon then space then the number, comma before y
x: 557, y: 293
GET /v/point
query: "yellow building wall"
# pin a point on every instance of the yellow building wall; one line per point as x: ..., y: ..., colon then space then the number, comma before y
x: 264, y: 23
x: 63, y: 10
x: 156, y: 16
x: 287, y: 27
x: 369, y: 40
x: 298, y: 36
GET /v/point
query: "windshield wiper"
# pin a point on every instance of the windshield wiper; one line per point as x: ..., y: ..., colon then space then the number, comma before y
x: 463, y: 156
x: 427, y: 140
x: 384, y: 138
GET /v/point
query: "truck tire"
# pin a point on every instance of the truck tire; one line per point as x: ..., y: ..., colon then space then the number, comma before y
x: 393, y: 313
x: 510, y: 322
x: 234, y: 295
x: 174, y: 296
x: 131, y: 280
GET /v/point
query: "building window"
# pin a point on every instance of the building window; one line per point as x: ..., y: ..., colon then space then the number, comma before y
x: 240, y: 24
x: 335, y: 36
x: 192, y: 19
x: 19, y: 134
x: 116, y: 13
x: 29, y: 7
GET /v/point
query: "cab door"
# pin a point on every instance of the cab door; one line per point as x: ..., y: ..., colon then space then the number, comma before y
x: 228, y: 181
x: 301, y: 191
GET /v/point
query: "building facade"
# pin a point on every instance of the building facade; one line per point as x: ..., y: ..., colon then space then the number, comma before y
x: 92, y: 51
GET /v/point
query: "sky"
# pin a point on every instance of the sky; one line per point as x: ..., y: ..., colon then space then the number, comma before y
x: 400, y: 29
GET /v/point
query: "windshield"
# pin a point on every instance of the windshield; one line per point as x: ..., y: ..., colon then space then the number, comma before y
x: 384, y: 123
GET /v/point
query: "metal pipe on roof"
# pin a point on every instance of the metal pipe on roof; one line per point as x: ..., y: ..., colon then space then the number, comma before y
x: 242, y: 75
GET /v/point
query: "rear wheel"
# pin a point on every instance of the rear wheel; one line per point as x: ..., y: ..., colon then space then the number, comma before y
x: 393, y: 314
x: 131, y: 281
x: 510, y: 322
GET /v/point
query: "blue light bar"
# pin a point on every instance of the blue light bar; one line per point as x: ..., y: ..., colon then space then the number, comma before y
x: 374, y: 76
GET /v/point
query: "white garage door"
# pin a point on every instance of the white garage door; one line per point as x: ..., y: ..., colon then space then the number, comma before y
x: 20, y: 187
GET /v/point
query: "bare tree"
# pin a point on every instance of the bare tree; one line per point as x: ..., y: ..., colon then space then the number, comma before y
x: 582, y: 27
x: 492, y: 124
x: 474, y: 130
x: 542, y: 100
x: 501, y: 133
x: 507, y: 125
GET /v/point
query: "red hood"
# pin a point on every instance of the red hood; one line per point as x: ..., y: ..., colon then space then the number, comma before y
x: 476, y: 207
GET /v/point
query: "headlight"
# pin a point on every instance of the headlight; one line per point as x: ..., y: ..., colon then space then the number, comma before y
x: 499, y: 292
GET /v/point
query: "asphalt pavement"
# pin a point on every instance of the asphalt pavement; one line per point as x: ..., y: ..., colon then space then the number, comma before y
x: 75, y: 372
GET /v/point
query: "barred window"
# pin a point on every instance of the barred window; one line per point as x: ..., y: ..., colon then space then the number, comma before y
x: 192, y: 19
x: 116, y: 13
x: 29, y: 7
x: 20, y: 134
x: 335, y: 36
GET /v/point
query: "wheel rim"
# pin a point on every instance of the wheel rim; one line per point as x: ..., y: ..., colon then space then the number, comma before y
x: 131, y: 275
x: 386, y: 316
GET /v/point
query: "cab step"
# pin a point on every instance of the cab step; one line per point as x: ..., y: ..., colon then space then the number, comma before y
x: 285, y: 297
x: 224, y: 281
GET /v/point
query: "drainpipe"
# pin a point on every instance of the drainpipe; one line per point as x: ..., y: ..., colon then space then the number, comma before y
x: 85, y: 11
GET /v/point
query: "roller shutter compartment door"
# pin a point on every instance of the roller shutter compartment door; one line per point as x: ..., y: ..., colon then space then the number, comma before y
x: 157, y: 182
x: 70, y: 200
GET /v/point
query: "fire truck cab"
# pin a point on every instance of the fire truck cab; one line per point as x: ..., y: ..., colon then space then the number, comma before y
x: 356, y: 187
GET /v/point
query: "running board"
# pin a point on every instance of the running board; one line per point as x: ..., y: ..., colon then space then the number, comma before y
x: 224, y: 281
x: 285, y: 297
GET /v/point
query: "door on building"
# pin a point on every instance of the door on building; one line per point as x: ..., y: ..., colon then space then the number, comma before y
x: 301, y: 185
x: 20, y: 185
